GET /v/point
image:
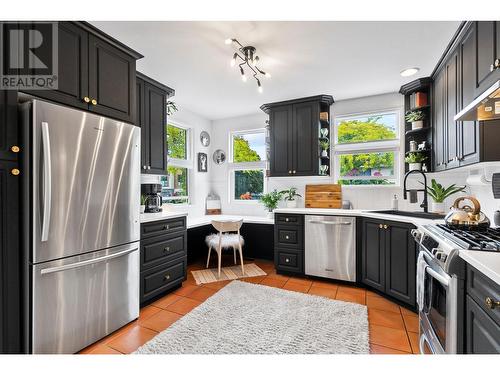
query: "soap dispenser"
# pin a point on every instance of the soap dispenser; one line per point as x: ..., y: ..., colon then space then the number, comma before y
x: 395, y: 202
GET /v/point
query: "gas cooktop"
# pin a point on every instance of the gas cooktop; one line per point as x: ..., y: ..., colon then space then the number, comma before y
x: 484, y: 240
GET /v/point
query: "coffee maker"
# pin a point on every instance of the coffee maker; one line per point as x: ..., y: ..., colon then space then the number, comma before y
x: 152, y: 192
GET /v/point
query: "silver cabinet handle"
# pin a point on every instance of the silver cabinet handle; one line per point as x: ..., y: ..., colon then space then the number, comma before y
x: 47, y: 182
x: 87, y: 262
x: 330, y: 222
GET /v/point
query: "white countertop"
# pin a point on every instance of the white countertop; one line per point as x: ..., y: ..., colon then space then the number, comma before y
x: 364, y: 213
x: 198, y: 221
x: 484, y: 261
x: 163, y: 215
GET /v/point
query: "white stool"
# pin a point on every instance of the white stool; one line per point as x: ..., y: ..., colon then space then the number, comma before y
x: 224, y: 240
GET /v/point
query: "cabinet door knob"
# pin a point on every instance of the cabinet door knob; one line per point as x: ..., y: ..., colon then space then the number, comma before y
x: 86, y: 99
x: 167, y: 249
x: 386, y: 226
x: 380, y: 226
x: 289, y: 172
x: 166, y: 277
x: 15, y: 149
x: 15, y: 172
x: 166, y: 227
x: 149, y: 167
x: 294, y: 172
x: 94, y: 102
x: 287, y: 260
x: 491, y: 303
x: 287, y: 219
x: 492, y: 67
x: 144, y: 167
x: 287, y: 237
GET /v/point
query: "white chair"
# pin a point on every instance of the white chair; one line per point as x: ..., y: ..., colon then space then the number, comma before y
x: 225, y: 240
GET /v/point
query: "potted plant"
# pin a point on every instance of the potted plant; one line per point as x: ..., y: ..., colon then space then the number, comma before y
x: 416, y: 118
x: 143, y: 203
x: 325, y: 145
x: 414, y: 160
x: 438, y: 193
x: 290, y: 195
x: 270, y: 201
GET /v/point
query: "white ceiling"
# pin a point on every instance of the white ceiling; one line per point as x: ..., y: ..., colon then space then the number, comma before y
x: 343, y: 59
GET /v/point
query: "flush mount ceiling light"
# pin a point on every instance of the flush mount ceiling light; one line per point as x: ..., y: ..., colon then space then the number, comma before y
x: 246, y: 57
x: 409, y: 72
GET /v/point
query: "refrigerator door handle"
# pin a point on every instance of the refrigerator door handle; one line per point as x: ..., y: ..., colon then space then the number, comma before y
x: 46, y: 271
x: 47, y: 182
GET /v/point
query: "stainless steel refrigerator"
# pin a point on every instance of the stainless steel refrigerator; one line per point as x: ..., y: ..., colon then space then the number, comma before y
x: 83, y: 248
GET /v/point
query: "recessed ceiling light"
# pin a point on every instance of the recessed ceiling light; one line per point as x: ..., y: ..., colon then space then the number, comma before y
x: 409, y: 72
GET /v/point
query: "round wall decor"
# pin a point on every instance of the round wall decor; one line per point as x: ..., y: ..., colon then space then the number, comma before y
x: 205, y: 138
x: 219, y: 157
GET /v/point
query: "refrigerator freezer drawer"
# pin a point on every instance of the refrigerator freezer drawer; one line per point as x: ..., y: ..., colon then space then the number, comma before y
x: 78, y: 300
x: 330, y: 247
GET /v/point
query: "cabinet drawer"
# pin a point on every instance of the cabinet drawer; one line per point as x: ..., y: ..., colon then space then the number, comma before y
x: 289, y: 236
x: 480, y: 288
x: 289, y: 260
x: 162, y: 278
x: 289, y: 219
x: 162, y: 249
x: 481, y: 332
x: 156, y: 228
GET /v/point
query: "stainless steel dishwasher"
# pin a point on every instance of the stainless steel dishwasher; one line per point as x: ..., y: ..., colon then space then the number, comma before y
x: 330, y: 247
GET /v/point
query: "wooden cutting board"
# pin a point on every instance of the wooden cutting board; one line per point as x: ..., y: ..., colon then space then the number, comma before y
x: 324, y: 196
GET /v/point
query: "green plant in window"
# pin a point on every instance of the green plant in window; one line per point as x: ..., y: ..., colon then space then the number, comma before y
x: 271, y: 200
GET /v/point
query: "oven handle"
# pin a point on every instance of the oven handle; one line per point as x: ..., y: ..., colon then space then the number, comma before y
x: 423, y: 340
x: 437, y: 276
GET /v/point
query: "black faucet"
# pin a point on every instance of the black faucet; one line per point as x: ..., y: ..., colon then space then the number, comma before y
x: 424, y: 204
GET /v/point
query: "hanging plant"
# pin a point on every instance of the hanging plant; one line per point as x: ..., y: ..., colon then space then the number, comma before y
x: 171, y: 107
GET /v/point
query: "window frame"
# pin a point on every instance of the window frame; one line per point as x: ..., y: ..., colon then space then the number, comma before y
x: 244, y: 166
x: 393, y: 145
x: 187, y: 163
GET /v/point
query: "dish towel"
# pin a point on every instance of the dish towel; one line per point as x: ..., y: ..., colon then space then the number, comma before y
x: 421, y: 266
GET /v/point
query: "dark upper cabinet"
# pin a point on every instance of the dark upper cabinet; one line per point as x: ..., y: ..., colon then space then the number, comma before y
x: 487, y: 51
x: 388, y: 259
x: 10, y: 286
x: 9, y: 144
x: 95, y: 72
x: 281, y: 140
x: 459, y: 78
x: 294, y: 135
x: 111, y: 80
x: 151, y: 116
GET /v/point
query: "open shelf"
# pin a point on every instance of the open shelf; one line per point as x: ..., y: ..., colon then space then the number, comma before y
x: 416, y: 131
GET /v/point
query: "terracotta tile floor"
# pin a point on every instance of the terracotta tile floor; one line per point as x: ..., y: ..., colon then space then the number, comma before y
x: 393, y: 329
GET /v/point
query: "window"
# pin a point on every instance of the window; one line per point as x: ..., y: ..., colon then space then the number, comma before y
x: 248, y: 164
x: 175, y: 186
x: 366, y: 149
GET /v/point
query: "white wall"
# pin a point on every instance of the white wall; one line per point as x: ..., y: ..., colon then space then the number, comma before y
x: 199, y: 182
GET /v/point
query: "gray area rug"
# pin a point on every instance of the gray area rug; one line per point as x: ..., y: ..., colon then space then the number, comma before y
x: 245, y: 318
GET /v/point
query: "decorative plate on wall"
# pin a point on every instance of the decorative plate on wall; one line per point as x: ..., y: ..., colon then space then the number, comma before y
x: 205, y: 138
x: 219, y: 157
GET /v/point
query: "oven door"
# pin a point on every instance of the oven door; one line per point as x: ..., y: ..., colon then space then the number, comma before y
x: 438, y: 317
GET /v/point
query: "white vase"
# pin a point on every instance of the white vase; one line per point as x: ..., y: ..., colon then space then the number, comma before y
x: 291, y: 204
x: 324, y: 153
x: 270, y: 214
x: 437, y: 207
x: 143, y: 208
x: 414, y: 166
x: 417, y: 124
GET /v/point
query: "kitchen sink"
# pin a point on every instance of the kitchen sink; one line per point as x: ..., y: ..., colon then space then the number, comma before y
x: 420, y: 214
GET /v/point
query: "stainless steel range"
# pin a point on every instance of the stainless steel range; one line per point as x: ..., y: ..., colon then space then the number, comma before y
x: 440, y: 287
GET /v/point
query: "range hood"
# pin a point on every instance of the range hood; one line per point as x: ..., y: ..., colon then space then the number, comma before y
x: 485, y: 107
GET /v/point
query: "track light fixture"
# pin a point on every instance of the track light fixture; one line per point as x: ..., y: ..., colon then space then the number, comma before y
x: 248, y: 57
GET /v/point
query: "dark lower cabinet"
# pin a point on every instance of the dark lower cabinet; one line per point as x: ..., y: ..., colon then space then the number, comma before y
x: 10, y: 284
x: 259, y: 241
x: 388, y: 259
x: 163, y: 257
x: 151, y: 116
x: 289, y: 243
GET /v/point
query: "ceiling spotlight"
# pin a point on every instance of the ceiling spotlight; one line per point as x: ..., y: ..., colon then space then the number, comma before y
x: 409, y: 72
x: 233, y: 60
x: 248, y: 57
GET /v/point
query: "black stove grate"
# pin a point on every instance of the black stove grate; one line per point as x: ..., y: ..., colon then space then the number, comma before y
x: 484, y: 240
